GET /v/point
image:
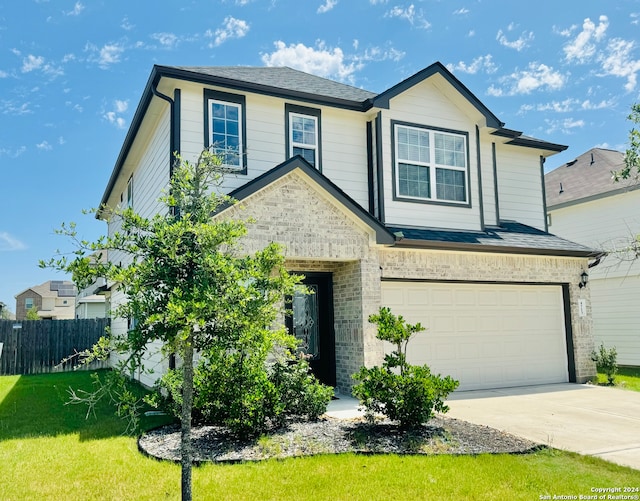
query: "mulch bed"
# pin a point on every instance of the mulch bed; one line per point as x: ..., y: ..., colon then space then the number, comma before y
x: 442, y: 435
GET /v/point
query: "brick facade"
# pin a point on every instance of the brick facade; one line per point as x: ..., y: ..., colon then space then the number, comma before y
x: 320, y: 235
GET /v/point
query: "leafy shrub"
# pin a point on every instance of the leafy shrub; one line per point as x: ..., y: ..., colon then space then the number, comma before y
x: 403, y: 392
x: 606, y: 361
x: 246, y: 395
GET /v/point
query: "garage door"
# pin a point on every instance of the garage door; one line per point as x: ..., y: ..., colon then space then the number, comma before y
x: 484, y: 335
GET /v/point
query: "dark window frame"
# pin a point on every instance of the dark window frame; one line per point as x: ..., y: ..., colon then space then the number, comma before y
x: 311, y: 112
x: 237, y: 99
x: 431, y: 201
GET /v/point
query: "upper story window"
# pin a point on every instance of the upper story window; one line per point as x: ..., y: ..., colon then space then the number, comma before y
x: 130, y: 192
x: 303, y: 133
x: 430, y: 164
x: 28, y: 303
x: 225, y: 128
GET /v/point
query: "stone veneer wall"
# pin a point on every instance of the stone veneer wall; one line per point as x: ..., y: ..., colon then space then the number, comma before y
x: 485, y: 267
x: 318, y: 236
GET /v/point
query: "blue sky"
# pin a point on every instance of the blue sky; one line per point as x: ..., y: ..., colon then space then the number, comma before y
x: 72, y: 72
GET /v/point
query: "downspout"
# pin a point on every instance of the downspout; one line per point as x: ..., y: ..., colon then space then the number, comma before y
x: 174, y: 123
x: 174, y: 149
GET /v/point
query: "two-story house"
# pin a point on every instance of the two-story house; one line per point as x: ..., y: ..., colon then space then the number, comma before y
x: 417, y: 198
x: 54, y: 300
x: 586, y: 205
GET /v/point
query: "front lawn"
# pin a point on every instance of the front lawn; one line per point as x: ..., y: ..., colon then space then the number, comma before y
x: 627, y: 378
x: 49, y: 451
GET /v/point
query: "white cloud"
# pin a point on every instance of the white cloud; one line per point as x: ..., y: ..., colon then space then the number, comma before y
x: 566, y: 126
x: 12, y: 153
x: 126, y: 25
x: 168, y: 40
x: 379, y: 54
x: 635, y: 18
x: 582, y: 48
x: 232, y: 28
x: 114, y: 116
x: 461, y: 12
x: 565, y: 106
x: 409, y: 14
x: 31, y: 63
x: 537, y: 76
x: 77, y: 9
x: 617, y: 60
x: 327, y: 6
x: 106, y: 55
x: 10, y: 243
x: 519, y: 44
x: 121, y: 106
x: 13, y: 108
x: 321, y: 60
x: 3, y: 74
x: 377, y: 2
x: 44, y: 145
x: 483, y: 64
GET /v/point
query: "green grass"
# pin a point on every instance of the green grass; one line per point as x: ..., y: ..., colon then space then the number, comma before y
x: 627, y: 378
x: 49, y: 451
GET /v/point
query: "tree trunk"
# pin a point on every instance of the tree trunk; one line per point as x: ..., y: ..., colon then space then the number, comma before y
x: 187, y: 404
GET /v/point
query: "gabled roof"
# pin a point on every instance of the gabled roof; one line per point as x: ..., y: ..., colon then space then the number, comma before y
x: 288, y: 83
x: 277, y: 81
x: 382, y: 100
x: 510, y: 237
x: 53, y: 288
x: 586, y: 178
x: 383, y: 235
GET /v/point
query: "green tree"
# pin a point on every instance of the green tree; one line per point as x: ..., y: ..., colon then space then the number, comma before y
x: 32, y: 314
x: 188, y: 285
x: 631, y: 167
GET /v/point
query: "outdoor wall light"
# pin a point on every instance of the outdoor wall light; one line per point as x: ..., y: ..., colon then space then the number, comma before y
x: 584, y: 279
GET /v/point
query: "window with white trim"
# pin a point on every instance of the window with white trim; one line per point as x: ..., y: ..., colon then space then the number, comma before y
x: 225, y: 128
x: 303, y: 133
x: 28, y: 303
x: 430, y: 164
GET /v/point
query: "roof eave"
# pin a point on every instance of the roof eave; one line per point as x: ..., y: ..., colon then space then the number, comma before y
x: 382, y: 100
x: 460, y: 246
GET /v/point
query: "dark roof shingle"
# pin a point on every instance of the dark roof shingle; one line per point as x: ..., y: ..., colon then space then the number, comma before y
x: 589, y: 175
x: 510, y: 236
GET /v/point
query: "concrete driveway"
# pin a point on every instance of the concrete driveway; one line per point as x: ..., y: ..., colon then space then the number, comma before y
x: 593, y: 420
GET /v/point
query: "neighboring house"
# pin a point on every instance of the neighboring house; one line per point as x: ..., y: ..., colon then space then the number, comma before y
x: 91, y: 306
x: 416, y: 198
x: 53, y: 300
x: 585, y: 205
x: 91, y: 301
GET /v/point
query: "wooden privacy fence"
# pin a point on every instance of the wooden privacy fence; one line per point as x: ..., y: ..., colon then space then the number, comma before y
x: 37, y: 346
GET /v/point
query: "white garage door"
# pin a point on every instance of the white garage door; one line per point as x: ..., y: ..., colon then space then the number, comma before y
x: 484, y: 335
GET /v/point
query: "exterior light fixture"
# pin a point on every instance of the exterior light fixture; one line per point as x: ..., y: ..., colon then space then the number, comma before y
x: 584, y: 279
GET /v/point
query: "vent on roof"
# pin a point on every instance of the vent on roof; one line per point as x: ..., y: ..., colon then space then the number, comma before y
x: 561, y: 189
x: 592, y: 160
x: 569, y: 164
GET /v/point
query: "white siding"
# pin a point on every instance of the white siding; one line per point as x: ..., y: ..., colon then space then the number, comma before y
x: 520, y: 185
x: 616, y: 316
x: 488, y: 181
x: 425, y: 105
x: 343, y: 141
x: 609, y: 224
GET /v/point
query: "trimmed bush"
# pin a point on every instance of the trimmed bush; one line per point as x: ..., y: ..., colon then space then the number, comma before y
x: 408, y: 394
x: 606, y: 362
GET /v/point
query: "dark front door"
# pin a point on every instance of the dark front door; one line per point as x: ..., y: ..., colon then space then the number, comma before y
x: 312, y: 324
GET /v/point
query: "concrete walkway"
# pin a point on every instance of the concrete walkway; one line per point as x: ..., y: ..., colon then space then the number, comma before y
x: 592, y: 420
